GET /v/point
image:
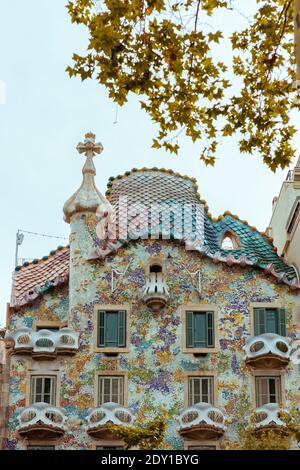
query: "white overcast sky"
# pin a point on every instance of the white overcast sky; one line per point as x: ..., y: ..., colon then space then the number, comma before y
x: 46, y: 114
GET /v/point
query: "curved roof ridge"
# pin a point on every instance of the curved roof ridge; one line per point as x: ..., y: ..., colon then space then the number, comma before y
x: 34, y: 279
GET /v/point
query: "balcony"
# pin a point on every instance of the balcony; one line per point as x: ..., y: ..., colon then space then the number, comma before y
x: 201, y: 422
x: 156, y: 292
x: 43, y: 344
x: 41, y: 421
x: 100, y: 419
x: 268, y: 351
x: 269, y: 417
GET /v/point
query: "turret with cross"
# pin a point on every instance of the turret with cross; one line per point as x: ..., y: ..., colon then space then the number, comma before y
x: 87, y: 198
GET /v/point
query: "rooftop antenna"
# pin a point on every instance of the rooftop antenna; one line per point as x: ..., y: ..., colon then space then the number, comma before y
x: 19, y: 241
x: 20, y: 237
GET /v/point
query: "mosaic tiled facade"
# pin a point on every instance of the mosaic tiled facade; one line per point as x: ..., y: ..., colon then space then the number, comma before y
x: 69, y: 287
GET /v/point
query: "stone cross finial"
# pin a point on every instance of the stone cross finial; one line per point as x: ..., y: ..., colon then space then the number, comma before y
x: 89, y: 147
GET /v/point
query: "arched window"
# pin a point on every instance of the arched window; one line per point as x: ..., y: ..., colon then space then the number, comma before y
x: 229, y: 241
x: 155, y: 268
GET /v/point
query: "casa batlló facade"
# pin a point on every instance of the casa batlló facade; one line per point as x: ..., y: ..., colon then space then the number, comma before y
x: 201, y: 330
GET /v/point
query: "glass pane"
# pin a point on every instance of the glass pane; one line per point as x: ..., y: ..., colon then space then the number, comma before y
x: 204, y: 386
x: 115, y: 390
x: 47, y: 386
x: 38, y: 385
x: 272, y: 323
x: 112, y: 329
x: 199, y: 330
x: 37, y: 398
x: 47, y: 398
x: 106, y: 382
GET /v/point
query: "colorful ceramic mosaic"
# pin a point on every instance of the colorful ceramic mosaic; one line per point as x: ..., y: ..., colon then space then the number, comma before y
x: 155, y: 363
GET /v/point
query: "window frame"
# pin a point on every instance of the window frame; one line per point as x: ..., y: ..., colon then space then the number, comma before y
x: 265, y: 305
x: 258, y: 397
x: 101, y: 389
x: 191, y: 389
x: 199, y: 308
x: 111, y: 446
x: 111, y: 373
x: 33, y: 377
x: 112, y: 308
x: 108, y: 443
x: 41, y: 445
x: 256, y: 373
x: 46, y: 324
x: 188, y: 444
x: 234, y: 240
x: 201, y: 374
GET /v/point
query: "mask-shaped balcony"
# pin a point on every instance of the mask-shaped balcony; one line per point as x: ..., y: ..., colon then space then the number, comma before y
x: 41, y: 421
x: 269, y: 417
x: 43, y: 344
x: 100, y: 419
x: 268, y: 351
x: 201, y: 422
x: 156, y: 292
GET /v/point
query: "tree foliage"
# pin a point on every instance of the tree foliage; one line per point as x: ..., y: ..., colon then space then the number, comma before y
x: 165, y: 52
x: 147, y: 437
x: 249, y: 437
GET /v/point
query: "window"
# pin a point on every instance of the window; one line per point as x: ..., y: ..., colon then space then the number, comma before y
x: 204, y: 447
x: 268, y: 390
x: 200, y: 389
x: 109, y: 448
x: 50, y: 328
x: 292, y: 220
x: 229, y: 241
x: 111, y: 389
x: 111, y: 329
x: 43, y: 389
x: 269, y: 320
x: 156, y: 281
x: 199, y: 329
x: 40, y: 447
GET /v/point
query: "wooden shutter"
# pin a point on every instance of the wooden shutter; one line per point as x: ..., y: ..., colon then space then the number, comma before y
x: 101, y: 328
x: 189, y: 330
x: 210, y: 340
x: 259, y: 321
x: 122, y: 329
x: 282, y: 322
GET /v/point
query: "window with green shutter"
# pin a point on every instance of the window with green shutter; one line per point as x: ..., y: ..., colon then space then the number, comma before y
x: 269, y: 320
x: 111, y: 329
x: 199, y: 329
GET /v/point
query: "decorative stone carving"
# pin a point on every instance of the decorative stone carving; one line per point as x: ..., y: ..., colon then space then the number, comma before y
x: 87, y: 198
x: 43, y: 343
x: 42, y: 421
x: 201, y: 421
x: 268, y: 417
x: 156, y: 292
x: 100, y: 418
x: 267, y: 351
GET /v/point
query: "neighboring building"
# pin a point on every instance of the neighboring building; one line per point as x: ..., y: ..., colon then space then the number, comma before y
x: 3, y: 388
x: 126, y: 328
x: 285, y: 222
